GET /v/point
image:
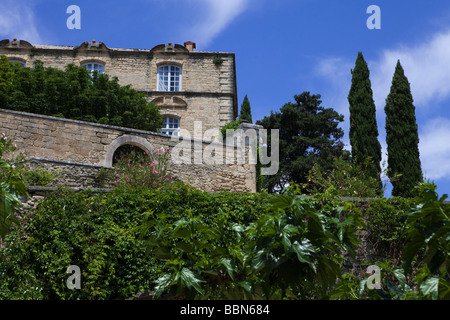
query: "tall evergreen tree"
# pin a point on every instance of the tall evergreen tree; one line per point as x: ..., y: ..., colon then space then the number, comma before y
x: 363, y: 122
x: 246, y: 113
x: 402, y: 137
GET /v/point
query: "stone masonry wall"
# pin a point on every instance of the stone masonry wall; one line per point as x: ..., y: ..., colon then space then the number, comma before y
x: 91, y: 144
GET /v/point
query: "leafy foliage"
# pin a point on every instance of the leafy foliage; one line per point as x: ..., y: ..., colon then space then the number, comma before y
x: 141, y: 170
x: 75, y: 94
x: 234, y: 125
x: 99, y: 233
x: 12, y: 186
x: 424, y: 272
x: 386, y: 224
x: 428, y: 233
x: 308, y: 135
x: 345, y: 179
x: 182, y: 243
x: 39, y: 176
x: 290, y: 251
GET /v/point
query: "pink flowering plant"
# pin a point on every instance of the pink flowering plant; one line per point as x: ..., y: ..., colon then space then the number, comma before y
x: 136, y: 170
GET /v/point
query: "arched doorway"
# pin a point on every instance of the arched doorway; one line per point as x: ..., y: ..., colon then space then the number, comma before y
x: 125, y: 150
x: 124, y: 143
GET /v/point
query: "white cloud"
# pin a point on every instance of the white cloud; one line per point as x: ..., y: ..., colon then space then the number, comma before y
x: 337, y: 73
x: 434, y: 147
x: 217, y: 15
x: 427, y: 67
x: 17, y: 21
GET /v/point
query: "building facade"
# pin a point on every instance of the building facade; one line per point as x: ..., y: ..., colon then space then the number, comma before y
x: 187, y: 85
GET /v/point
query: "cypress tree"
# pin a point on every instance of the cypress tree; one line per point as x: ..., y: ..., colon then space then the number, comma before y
x: 363, y: 122
x: 246, y: 113
x: 402, y: 137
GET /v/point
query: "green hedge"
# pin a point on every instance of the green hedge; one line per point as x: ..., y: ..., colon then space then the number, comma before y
x: 100, y: 234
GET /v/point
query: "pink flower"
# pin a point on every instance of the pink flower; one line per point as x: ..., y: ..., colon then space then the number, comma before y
x: 117, y: 181
x: 154, y: 171
x: 140, y: 165
x: 153, y: 164
x: 126, y: 178
x: 129, y: 165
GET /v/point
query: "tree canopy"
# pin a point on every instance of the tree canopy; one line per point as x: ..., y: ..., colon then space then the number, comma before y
x: 75, y: 93
x: 309, y: 134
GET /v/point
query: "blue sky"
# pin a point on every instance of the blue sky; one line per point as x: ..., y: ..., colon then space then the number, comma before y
x: 282, y: 48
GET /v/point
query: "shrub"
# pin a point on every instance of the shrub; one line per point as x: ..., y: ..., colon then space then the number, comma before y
x: 12, y: 186
x: 137, y: 170
x: 99, y: 233
x: 39, y: 177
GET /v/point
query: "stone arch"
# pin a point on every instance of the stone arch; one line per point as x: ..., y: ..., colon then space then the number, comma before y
x: 99, y: 61
x: 125, y: 139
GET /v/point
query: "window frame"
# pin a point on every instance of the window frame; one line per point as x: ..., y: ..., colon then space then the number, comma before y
x: 22, y: 63
x: 174, y: 75
x: 94, y: 63
x: 175, y: 130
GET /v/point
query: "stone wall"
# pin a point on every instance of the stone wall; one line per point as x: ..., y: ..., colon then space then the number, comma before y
x: 68, y: 174
x: 81, y: 148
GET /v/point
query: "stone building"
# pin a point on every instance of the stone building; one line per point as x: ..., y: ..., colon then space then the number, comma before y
x: 195, y: 91
x: 186, y: 84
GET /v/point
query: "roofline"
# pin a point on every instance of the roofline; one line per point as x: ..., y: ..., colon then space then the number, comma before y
x: 63, y: 47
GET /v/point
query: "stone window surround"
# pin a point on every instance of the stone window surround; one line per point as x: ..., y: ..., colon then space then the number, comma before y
x: 94, y: 61
x: 170, y: 63
x: 22, y: 61
x: 167, y: 118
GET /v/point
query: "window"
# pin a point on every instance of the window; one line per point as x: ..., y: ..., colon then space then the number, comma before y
x: 92, y: 66
x: 171, y: 126
x: 22, y: 64
x: 169, y: 78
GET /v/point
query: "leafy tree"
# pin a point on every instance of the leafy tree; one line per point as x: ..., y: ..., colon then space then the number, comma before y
x: 308, y: 135
x: 402, y: 137
x: 363, y: 123
x: 12, y: 186
x: 346, y: 179
x: 76, y: 94
x: 246, y: 112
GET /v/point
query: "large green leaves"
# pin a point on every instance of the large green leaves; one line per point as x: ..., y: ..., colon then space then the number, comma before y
x: 429, y: 230
x: 12, y: 186
x: 428, y: 233
x: 296, y: 245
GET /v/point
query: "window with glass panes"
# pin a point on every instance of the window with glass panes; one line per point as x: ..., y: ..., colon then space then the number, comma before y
x: 169, y: 78
x: 22, y: 64
x: 92, y: 66
x: 171, y: 126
